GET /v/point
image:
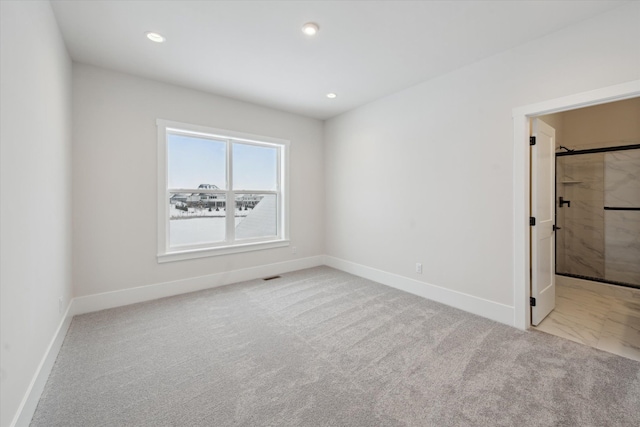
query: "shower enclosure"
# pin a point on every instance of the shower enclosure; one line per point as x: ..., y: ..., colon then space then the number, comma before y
x: 598, y: 214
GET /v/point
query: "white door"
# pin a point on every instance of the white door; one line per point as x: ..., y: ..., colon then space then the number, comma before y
x: 543, y: 165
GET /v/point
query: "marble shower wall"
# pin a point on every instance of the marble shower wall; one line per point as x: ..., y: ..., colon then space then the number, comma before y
x: 622, y: 227
x: 622, y: 179
x: 580, y: 249
x: 595, y: 242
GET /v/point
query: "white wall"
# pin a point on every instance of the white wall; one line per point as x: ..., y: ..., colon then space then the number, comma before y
x: 426, y: 175
x: 115, y: 170
x: 35, y: 82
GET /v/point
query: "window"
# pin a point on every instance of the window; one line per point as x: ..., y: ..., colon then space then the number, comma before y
x: 219, y: 192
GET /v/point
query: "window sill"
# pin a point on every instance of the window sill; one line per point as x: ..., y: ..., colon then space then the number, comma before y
x: 222, y: 250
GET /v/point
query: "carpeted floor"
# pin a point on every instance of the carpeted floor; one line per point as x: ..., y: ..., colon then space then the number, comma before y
x: 320, y: 347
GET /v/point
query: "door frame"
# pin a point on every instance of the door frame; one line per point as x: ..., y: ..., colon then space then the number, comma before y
x: 522, y: 181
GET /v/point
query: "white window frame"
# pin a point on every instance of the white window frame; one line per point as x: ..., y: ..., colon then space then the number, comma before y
x: 167, y: 253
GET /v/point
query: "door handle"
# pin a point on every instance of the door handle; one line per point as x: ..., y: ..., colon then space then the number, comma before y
x: 565, y: 202
x: 555, y: 227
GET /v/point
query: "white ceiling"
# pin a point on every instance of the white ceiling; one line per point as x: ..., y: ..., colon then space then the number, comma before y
x: 255, y: 51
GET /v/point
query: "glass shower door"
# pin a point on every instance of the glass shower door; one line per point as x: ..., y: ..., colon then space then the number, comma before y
x: 598, y: 212
x: 622, y: 216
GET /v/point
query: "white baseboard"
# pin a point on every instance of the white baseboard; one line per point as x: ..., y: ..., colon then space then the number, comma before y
x: 31, y: 398
x: 482, y: 307
x: 96, y: 302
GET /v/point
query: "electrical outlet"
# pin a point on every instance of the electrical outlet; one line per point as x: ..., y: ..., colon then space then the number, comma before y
x: 60, y: 305
x: 294, y: 250
x: 418, y: 268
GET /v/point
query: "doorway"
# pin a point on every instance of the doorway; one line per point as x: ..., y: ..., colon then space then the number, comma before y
x: 522, y: 169
x: 597, y: 238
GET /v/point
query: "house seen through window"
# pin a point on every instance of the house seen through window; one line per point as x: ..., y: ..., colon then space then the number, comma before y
x: 223, y: 191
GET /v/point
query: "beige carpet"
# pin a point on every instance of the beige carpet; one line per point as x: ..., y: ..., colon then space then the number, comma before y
x: 324, y: 348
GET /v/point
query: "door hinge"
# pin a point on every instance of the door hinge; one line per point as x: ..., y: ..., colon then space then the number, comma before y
x: 532, y: 220
x: 532, y: 140
x: 532, y: 301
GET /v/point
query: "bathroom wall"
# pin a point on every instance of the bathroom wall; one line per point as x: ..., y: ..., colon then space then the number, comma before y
x: 581, y: 181
x: 606, y: 125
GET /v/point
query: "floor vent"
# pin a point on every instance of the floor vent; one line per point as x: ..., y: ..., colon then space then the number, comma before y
x: 271, y: 278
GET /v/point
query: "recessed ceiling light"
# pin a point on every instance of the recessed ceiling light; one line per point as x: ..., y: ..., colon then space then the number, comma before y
x: 331, y: 95
x: 310, y: 28
x: 155, y: 37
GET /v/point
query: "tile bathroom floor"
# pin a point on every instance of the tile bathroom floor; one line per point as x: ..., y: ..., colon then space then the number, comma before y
x: 598, y: 315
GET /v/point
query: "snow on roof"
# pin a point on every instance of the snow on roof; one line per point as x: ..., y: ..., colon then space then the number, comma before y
x: 261, y: 221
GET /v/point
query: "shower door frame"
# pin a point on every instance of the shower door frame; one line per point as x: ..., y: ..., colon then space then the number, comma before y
x: 522, y: 182
x: 588, y: 151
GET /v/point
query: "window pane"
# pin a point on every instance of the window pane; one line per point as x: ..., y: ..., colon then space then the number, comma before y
x: 196, y: 162
x: 254, y: 167
x: 256, y: 215
x: 196, y: 218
